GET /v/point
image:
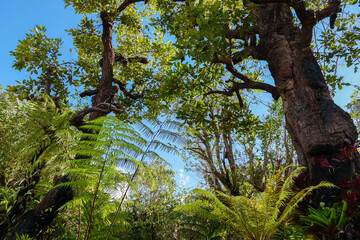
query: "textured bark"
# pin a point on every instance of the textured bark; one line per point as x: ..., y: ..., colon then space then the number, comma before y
x: 106, y: 89
x: 316, y: 124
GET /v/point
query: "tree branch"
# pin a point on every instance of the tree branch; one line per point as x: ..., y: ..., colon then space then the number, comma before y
x: 125, y: 4
x: 334, y: 6
x: 88, y: 93
x: 301, y: 12
x: 249, y: 84
x: 127, y: 93
x: 125, y: 60
x: 238, y: 33
x: 309, y: 18
x: 77, y: 119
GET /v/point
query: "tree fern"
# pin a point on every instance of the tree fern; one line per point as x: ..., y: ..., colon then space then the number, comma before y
x: 253, y: 218
x: 153, y: 143
x: 109, y: 154
x: 93, y: 162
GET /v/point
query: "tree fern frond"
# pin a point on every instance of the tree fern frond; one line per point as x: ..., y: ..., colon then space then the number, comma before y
x: 157, y: 123
x: 203, y: 213
x: 286, y: 191
x: 253, y: 218
x: 172, y: 125
x: 171, y: 136
x: 157, y: 145
x: 300, y: 196
x: 144, y: 129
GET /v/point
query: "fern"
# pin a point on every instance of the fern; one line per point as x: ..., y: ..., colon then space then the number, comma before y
x: 154, y: 143
x: 107, y: 155
x: 253, y: 218
x: 39, y: 136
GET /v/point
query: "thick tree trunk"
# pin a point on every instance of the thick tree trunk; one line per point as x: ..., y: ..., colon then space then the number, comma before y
x: 318, y: 127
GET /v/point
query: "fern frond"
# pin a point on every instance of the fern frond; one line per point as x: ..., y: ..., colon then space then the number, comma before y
x: 144, y: 129
x: 171, y: 136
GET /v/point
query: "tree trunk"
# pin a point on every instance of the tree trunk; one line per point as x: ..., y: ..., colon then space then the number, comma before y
x: 318, y: 127
x: 106, y: 89
x: 33, y: 221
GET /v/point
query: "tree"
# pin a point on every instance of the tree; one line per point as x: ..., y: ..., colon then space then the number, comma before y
x: 140, y: 62
x: 231, y: 149
x: 150, y: 205
x: 233, y: 34
x: 213, y: 143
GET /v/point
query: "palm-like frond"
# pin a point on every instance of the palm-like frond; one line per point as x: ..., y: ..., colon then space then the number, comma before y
x: 254, y: 218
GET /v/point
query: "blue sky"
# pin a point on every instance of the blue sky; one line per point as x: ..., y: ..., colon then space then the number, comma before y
x: 19, y: 16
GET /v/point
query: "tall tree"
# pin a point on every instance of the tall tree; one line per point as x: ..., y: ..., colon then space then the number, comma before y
x: 138, y: 51
x: 279, y: 32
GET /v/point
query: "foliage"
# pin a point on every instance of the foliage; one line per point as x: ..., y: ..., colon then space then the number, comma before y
x: 238, y: 155
x: 24, y: 237
x: 185, y: 49
x: 36, y: 135
x: 149, y: 205
x: 102, y: 164
x: 256, y: 218
x: 134, y: 38
x: 329, y: 219
x: 288, y: 231
x: 39, y: 55
x: 198, y: 27
x: 354, y: 107
x: 338, y: 47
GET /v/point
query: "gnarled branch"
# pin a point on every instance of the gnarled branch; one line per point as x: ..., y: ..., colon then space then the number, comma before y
x: 309, y: 18
x: 247, y: 84
x: 333, y: 7
x: 127, y: 93
x: 89, y: 92
x: 77, y: 119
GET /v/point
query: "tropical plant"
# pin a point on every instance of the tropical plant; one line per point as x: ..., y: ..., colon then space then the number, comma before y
x: 289, y: 231
x: 120, y: 66
x: 39, y: 142
x: 150, y: 203
x: 103, y: 166
x: 327, y: 221
x: 255, y: 218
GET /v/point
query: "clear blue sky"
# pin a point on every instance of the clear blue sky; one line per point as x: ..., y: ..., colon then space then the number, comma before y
x: 18, y: 16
